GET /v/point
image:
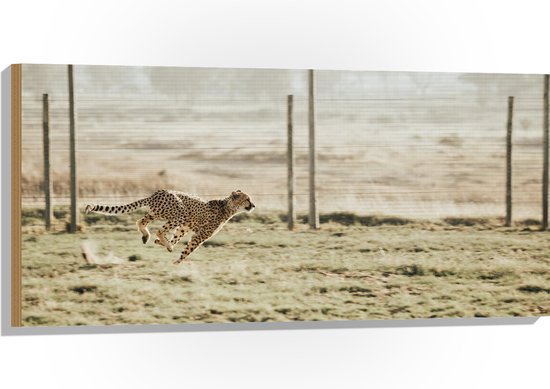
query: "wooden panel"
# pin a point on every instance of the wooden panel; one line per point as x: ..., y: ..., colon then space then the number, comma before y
x: 16, y: 195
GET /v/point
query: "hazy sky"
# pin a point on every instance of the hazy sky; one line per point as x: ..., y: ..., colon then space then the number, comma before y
x: 209, y: 83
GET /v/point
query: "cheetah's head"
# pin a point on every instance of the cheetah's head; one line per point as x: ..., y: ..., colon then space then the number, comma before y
x: 241, y: 201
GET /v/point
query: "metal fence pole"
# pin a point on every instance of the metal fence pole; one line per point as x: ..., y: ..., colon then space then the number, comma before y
x: 72, y: 146
x: 313, y: 213
x: 290, y: 163
x: 508, y: 222
x: 48, y: 185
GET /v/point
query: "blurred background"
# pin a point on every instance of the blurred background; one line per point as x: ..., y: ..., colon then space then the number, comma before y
x: 422, y: 145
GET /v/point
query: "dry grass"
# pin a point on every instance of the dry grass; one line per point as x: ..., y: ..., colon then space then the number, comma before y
x: 353, y: 268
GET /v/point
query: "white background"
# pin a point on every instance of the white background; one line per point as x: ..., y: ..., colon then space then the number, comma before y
x: 383, y: 35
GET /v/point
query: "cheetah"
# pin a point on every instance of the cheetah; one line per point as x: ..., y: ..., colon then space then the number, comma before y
x: 184, y: 213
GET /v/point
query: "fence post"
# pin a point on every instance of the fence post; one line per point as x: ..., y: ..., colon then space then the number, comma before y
x: 290, y: 163
x: 72, y: 156
x: 48, y: 185
x: 313, y: 213
x: 545, y: 157
x: 508, y: 222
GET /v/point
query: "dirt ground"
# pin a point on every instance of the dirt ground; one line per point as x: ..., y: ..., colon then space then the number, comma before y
x: 254, y: 270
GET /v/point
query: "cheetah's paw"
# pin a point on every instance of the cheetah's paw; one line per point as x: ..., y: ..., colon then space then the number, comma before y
x: 167, y: 245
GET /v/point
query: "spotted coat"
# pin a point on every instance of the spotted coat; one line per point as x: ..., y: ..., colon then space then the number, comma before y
x: 182, y: 212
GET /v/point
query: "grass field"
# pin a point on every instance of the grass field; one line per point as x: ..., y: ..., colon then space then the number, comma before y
x: 255, y: 270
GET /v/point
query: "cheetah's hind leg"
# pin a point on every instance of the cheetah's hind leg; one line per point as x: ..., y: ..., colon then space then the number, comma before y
x: 142, y: 227
x: 162, y: 241
x: 161, y: 238
x: 179, y: 232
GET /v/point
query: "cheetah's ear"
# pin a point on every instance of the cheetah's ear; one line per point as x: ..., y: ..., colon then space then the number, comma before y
x: 234, y: 194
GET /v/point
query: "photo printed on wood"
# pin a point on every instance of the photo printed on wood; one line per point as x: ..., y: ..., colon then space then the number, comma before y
x: 164, y: 195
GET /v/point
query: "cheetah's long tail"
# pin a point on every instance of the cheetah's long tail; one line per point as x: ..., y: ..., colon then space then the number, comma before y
x: 116, y: 209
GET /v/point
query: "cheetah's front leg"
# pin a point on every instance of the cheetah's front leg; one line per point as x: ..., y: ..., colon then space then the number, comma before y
x: 192, y: 245
x: 178, y: 234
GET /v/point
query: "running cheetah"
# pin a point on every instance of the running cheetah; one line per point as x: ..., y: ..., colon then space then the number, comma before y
x: 183, y: 212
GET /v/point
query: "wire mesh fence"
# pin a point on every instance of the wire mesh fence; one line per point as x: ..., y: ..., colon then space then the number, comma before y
x: 412, y: 145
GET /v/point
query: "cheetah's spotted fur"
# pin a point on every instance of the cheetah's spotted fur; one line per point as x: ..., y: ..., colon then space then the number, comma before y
x: 183, y: 212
